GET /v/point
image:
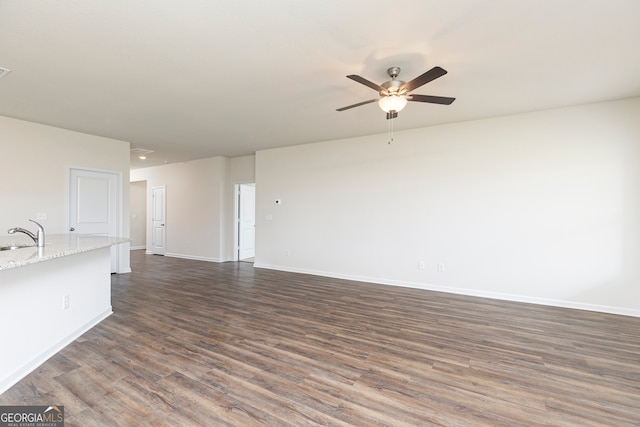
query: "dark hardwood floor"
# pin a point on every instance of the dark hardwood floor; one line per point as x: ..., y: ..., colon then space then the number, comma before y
x: 194, y: 343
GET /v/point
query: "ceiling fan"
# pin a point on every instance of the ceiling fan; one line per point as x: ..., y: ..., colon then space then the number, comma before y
x: 394, y: 93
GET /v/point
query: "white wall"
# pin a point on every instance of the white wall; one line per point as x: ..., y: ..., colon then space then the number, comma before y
x: 193, y: 206
x: 199, y: 201
x: 541, y: 207
x: 36, y: 161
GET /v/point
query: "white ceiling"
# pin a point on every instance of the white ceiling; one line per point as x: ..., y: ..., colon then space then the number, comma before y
x: 192, y: 79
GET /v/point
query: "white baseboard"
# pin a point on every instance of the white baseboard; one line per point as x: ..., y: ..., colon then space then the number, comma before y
x: 137, y: 248
x: 192, y: 257
x: 462, y: 291
x: 33, y: 364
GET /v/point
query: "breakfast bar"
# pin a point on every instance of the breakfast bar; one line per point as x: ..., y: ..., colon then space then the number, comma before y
x: 49, y: 296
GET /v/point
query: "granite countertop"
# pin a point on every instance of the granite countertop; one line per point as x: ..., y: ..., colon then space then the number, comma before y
x: 56, y: 246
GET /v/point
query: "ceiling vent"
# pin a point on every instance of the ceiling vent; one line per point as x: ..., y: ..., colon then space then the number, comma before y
x: 4, y: 72
x: 140, y: 152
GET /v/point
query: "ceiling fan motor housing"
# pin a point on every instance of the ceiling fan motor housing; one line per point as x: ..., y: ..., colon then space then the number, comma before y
x: 393, y: 86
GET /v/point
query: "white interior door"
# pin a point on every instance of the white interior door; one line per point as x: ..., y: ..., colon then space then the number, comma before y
x: 247, y: 221
x: 93, y: 205
x: 158, y: 223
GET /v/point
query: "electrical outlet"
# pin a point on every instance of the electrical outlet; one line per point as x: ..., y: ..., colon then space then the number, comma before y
x: 441, y: 267
x: 65, y: 302
x: 421, y: 265
x: 288, y: 252
x: 41, y: 215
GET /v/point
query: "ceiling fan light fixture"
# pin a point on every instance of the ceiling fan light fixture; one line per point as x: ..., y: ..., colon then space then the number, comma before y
x: 392, y: 103
x: 395, y: 93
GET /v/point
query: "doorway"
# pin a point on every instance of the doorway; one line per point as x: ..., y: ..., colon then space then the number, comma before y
x: 138, y: 214
x: 245, y: 235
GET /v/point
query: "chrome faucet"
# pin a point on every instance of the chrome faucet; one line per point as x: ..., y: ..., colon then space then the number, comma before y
x: 38, y: 238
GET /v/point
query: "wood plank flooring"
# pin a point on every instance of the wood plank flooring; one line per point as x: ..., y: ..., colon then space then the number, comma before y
x: 194, y: 343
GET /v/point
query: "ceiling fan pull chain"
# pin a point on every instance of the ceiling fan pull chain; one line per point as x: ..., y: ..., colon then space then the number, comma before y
x: 390, y: 128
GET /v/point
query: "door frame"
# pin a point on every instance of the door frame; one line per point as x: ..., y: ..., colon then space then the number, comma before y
x: 119, y: 209
x: 236, y: 218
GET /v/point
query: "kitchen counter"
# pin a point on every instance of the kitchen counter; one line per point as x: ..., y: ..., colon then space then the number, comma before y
x: 56, y: 246
x: 49, y: 297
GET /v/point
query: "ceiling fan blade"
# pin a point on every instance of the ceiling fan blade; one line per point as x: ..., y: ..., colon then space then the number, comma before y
x: 425, y: 78
x: 366, y: 82
x: 431, y: 99
x: 356, y: 105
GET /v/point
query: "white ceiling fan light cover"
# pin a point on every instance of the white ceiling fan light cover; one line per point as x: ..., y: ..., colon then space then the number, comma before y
x: 392, y: 103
